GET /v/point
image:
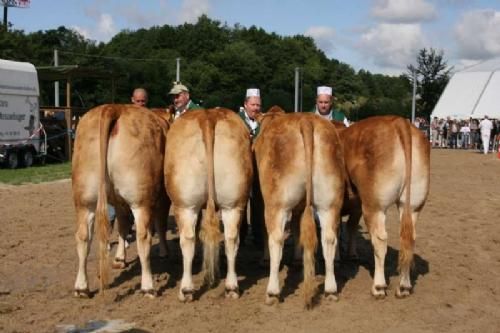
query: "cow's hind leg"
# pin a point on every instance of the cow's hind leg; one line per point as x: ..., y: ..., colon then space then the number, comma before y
x: 375, y: 222
x: 329, y: 221
x: 231, y: 219
x: 352, y: 227
x: 142, y: 217
x: 124, y: 222
x: 160, y: 220
x: 275, y: 223
x: 186, y: 221
x: 83, y: 236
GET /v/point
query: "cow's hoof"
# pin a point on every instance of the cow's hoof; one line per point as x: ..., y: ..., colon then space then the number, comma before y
x: 332, y: 296
x: 379, y: 292
x: 150, y: 293
x: 403, y: 292
x: 272, y: 299
x: 232, y: 293
x: 119, y: 264
x: 186, y: 295
x: 81, y: 293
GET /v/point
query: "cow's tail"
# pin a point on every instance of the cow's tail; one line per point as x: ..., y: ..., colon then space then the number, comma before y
x: 210, y: 232
x: 107, y: 115
x: 308, y: 237
x: 407, y: 233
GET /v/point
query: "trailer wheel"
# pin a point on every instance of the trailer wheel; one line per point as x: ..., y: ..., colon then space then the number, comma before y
x: 12, y: 160
x: 27, y: 158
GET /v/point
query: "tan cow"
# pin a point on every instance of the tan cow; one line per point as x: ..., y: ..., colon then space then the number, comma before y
x: 208, y: 163
x: 300, y: 164
x: 118, y: 158
x: 387, y: 161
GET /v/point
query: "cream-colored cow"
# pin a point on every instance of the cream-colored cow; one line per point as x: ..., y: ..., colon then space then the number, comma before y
x: 208, y: 163
x: 118, y: 158
x: 300, y: 162
x: 387, y: 162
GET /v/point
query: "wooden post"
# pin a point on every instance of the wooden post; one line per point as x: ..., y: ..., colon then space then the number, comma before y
x: 68, y: 115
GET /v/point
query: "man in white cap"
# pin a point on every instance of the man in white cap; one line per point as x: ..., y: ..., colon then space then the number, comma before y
x: 485, y: 126
x: 324, y: 103
x: 182, y: 101
x: 252, y: 107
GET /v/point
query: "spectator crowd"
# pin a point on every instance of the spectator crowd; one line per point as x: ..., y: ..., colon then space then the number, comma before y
x: 465, y: 134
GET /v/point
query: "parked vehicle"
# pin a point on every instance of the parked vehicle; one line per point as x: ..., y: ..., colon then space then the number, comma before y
x: 22, y: 138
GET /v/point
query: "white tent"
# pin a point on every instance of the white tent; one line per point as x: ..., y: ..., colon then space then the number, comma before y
x: 472, y: 92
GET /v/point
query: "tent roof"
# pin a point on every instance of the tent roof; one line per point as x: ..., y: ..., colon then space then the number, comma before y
x: 56, y: 73
x: 484, y: 66
x: 472, y: 92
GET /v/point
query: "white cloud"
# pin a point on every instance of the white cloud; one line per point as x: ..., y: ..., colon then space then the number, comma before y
x: 478, y: 34
x: 392, y: 45
x: 192, y: 9
x: 324, y: 38
x: 82, y: 31
x: 103, y: 29
x: 106, y: 26
x: 403, y: 11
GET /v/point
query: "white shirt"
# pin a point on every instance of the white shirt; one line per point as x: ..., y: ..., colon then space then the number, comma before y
x: 485, y: 126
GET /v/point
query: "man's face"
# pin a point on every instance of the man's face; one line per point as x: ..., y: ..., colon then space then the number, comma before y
x: 252, y: 106
x: 140, y: 98
x: 324, y: 103
x: 181, y: 100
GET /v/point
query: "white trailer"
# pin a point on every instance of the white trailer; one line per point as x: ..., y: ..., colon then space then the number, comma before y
x: 20, y: 129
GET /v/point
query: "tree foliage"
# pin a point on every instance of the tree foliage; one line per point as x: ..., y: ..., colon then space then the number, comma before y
x: 218, y: 63
x: 432, y: 73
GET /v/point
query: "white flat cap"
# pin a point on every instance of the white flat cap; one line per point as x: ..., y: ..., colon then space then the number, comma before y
x: 253, y: 92
x: 324, y: 90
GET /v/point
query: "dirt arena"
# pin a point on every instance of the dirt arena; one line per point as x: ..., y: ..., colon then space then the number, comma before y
x: 456, y: 276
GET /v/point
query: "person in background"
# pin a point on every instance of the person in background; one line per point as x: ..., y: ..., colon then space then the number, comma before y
x: 139, y: 97
x: 435, y: 131
x: 181, y: 99
x: 324, y: 106
x: 251, y: 108
x: 465, y: 135
x: 485, y: 127
x: 454, y: 130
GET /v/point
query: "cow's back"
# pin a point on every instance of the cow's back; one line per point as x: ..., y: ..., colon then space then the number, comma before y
x: 375, y: 160
x: 186, y: 168
x: 282, y: 160
x: 137, y: 136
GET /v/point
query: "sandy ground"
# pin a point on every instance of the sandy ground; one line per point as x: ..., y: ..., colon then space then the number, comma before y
x: 457, y: 270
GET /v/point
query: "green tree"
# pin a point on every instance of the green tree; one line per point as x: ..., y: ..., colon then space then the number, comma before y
x: 432, y: 73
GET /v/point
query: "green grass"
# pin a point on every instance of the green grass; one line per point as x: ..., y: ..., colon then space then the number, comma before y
x: 36, y: 174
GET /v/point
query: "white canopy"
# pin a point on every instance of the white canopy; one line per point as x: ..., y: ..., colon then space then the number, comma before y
x: 473, y: 92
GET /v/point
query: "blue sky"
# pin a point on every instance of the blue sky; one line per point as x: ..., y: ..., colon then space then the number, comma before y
x: 382, y: 36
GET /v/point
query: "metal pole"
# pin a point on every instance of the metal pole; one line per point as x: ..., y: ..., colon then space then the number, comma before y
x: 5, y: 16
x: 414, y: 96
x: 178, y: 71
x: 297, y: 76
x: 56, y: 84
